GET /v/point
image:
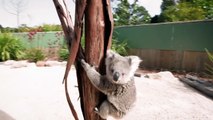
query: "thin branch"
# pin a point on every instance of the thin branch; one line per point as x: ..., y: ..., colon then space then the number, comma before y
x: 79, y: 14
x: 67, y: 26
x: 109, y: 25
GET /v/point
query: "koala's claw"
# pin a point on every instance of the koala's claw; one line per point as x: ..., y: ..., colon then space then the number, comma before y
x: 96, y: 110
x: 94, y: 66
x: 83, y: 61
x: 85, y: 64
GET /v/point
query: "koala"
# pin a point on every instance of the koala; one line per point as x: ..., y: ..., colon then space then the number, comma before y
x: 118, y: 84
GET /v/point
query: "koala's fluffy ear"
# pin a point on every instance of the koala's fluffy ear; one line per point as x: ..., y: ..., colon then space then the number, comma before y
x: 134, y: 62
x: 111, y: 54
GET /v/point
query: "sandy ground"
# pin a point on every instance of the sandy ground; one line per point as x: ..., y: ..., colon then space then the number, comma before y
x: 36, y: 93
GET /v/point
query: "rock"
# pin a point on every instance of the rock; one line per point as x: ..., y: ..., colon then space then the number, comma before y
x: 52, y: 63
x: 153, y: 76
x: 166, y: 75
x: 40, y: 63
x: 19, y: 64
x: 9, y: 62
x: 160, y: 75
x: 24, y: 63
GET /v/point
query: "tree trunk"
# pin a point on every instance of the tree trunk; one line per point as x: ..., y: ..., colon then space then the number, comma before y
x: 94, y: 52
x: 98, y: 35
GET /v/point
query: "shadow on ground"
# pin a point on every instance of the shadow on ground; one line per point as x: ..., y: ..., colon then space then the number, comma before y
x: 5, y: 116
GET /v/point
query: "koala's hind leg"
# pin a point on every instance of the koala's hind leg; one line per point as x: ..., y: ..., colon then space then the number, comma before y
x: 103, y: 110
x: 107, y: 109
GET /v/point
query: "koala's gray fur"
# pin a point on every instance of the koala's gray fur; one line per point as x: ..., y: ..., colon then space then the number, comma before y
x: 118, y: 84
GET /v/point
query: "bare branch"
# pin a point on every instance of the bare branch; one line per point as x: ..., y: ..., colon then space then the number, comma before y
x: 15, y: 7
x: 73, y: 37
x: 79, y: 14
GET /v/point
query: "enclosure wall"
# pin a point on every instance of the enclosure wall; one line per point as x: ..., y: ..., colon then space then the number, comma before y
x: 173, y: 46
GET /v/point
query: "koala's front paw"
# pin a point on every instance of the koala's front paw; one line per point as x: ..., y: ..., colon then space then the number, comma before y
x: 85, y: 65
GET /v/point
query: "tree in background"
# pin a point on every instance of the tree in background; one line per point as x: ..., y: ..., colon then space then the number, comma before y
x: 167, y: 3
x: 15, y: 7
x: 205, y: 5
x: 164, y: 6
x: 184, y: 10
x: 25, y: 28
x: 51, y: 27
x: 130, y: 14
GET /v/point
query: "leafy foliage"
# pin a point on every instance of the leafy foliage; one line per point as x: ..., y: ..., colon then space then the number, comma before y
x: 119, y: 47
x: 25, y: 28
x: 10, y: 47
x: 185, y: 10
x: 50, y: 27
x: 206, y: 6
x: 63, y: 53
x: 209, y: 67
x: 34, y: 55
x: 167, y: 3
x: 130, y: 14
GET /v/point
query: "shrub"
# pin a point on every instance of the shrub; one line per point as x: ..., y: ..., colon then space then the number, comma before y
x: 63, y: 53
x: 209, y: 67
x: 119, y: 47
x: 34, y: 55
x: 10, y: 47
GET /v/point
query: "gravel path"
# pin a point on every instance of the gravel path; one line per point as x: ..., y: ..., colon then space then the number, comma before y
x: 36, y: 93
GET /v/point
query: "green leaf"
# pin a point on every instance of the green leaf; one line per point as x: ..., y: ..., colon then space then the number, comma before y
x: 209, y: 67
x: 10, y: 47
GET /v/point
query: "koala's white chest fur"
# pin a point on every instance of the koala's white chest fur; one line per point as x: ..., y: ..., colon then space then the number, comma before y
x: 123, y: 96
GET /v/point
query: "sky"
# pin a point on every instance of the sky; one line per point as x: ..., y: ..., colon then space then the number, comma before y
x: 38, y: 12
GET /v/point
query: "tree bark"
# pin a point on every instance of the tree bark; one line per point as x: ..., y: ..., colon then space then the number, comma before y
x: 98, y: 35
x: 94, y: 52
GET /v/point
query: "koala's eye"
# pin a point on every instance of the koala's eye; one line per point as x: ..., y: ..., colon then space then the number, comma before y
x: 123, y: 74
x: 112, y: 70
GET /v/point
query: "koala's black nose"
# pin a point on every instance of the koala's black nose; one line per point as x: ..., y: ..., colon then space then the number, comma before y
x: 116, y: 75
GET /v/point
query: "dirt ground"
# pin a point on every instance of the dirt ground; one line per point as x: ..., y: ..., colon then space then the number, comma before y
x: 37, y: 93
